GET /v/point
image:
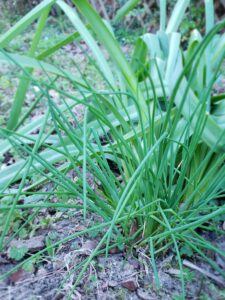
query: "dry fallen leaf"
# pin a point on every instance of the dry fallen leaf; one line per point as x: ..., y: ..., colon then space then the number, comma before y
x: 130, y: 284
x: 19, y: 276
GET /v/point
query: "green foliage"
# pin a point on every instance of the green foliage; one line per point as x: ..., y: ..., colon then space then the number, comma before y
x: 154, y: 118
x: 29, y: 266
x: 49, y: 240
x: 193, y: 20
x: 186, y: 250
x: 18, y: 253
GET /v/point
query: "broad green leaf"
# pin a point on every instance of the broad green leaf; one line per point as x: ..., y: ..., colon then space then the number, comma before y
x: 162, y: 15
x: 174, y: 49
x: 17, y: 253
x: 25, y: 81
x: 139, y: 57
x: 209, y: 14
x: 177, y: 15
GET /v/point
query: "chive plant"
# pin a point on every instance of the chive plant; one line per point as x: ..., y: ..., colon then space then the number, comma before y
x: 152, y: 138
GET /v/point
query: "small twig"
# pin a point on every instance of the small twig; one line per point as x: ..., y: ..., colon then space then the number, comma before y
x: 190, y: 265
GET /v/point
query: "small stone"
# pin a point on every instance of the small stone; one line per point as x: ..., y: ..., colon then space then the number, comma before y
x: 79, y: 228
x: 112, y: 283
x: 59, y: 296
x: 142, y: 295
x: 41, y: 273
x: 128, y: 270
x: 173, y: 272
x: 102, y: 260
x: 34, y: 244
x: 90, y: 245
x: 58, y: 264
x: 130, y: 284
x: 36, y: 88
x: 3, y: 260
x: 114, y: 250
x: 134, y: 263
x: 104, y: 286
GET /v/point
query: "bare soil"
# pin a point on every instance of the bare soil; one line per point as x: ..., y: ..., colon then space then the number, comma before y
x: 121, y: 275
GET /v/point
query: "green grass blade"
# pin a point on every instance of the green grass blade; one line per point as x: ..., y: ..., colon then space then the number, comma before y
x: 24, y: 81
x: 124, y: 10
x: 78, y: 24
x: 209, y: 14
x: 85, y: 164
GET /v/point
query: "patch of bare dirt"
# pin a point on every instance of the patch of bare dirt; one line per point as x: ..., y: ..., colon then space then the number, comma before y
x: 121, y: 275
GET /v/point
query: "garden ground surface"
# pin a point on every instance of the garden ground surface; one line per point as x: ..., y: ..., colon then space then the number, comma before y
x: 121, y: 275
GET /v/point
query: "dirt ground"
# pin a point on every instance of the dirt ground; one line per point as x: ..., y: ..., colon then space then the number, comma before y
x: 121, y: 275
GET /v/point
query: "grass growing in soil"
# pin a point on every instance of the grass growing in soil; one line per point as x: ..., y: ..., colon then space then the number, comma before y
x: 143, y: 136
